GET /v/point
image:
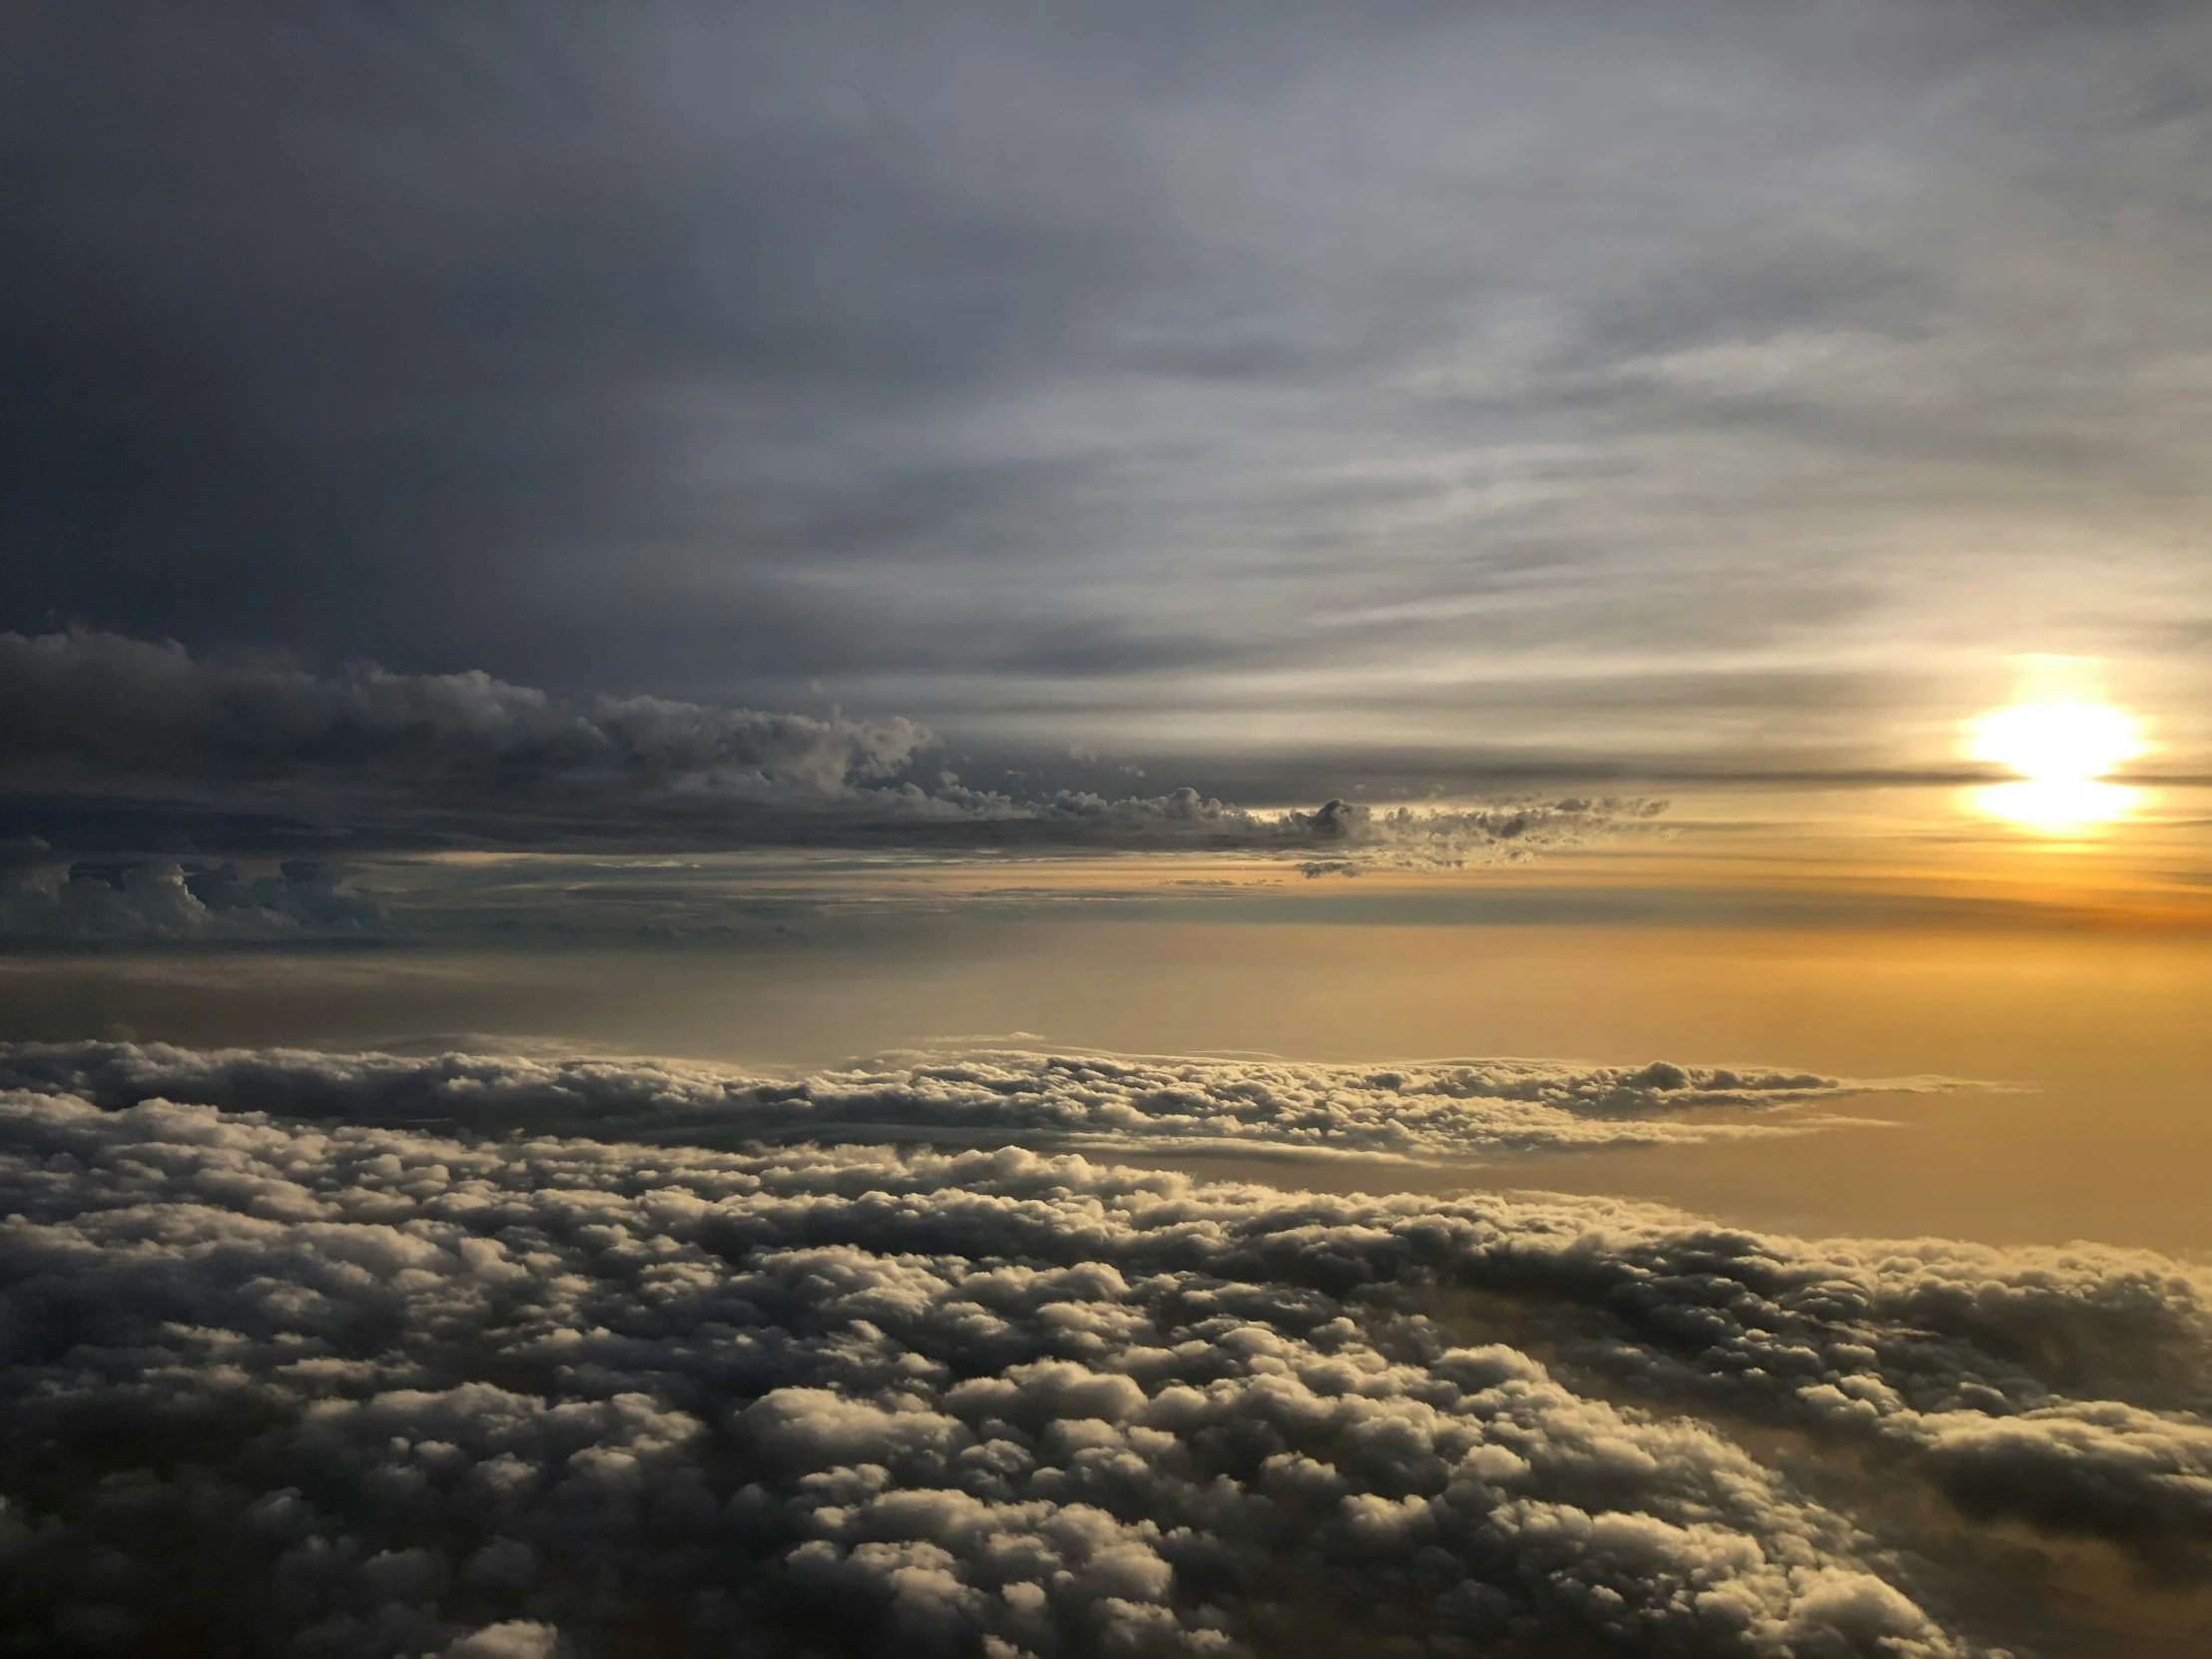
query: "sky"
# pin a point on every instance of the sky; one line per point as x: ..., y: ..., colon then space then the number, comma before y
x: 1080, y: 832
x: 1687, y: 387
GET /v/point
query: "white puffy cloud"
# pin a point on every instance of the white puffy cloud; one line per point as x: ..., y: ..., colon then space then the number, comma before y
x: 358, y: 1389
x: 511, y: 1639
x: 1439, y: 1109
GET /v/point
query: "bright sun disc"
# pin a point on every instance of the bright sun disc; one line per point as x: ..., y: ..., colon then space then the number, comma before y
x: 2059, y: 750
x: 2056, y: 740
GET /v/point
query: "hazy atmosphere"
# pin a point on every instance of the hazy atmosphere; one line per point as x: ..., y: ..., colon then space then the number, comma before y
x: 1106, y: 832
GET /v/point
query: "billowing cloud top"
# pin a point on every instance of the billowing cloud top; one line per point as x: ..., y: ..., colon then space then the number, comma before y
x: 369, y: 1390
x: 1438, y: 1109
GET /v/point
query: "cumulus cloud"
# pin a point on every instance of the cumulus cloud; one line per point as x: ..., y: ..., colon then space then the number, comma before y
x: 1966, y: 1362
x: 1130, y: 1104
x: 362, y: 1391
x: 468, y: 755
x: 61, y: 901
x: 396, y: 1393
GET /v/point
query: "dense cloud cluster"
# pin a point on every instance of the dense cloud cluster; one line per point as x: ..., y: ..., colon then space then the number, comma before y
x: 377, y: 1394
x: 137, y: 902
x: 361, y: 1389
x: 104, y: 705
x: 1448, y: 1109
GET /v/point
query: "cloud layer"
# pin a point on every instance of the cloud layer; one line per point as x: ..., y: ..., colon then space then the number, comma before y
x: 366, y: 1390
x: 167, y: 903
x: 1500, y: 381
x: 111, y: 706
x: 1444, y: 1109
x: 470, y: 756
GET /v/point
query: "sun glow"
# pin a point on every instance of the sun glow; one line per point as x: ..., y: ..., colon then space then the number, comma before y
x: 2061, y: 751
x: 2056, y: 740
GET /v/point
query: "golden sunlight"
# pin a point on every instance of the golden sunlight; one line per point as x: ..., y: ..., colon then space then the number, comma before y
x: 2057, y: 804
x: 2060, y: 750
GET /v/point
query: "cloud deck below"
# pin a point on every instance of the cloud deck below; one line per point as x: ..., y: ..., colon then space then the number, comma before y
x: 356, y: 1389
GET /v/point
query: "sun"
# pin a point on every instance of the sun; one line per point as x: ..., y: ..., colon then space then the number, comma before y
x: 2061, y: 751
x: 2056, y: 740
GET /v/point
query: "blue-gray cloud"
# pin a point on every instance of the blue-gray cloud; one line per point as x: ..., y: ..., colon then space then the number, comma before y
x: 1569, y: 381
x: 86, y: 714
x: 65, y: 902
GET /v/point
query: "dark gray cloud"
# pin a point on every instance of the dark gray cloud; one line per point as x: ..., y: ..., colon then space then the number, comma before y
x: 1119, y: 366
x: 102, y: 707
x: 370, y: 1390
x: 460, y: 755
x: 85, y: 902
